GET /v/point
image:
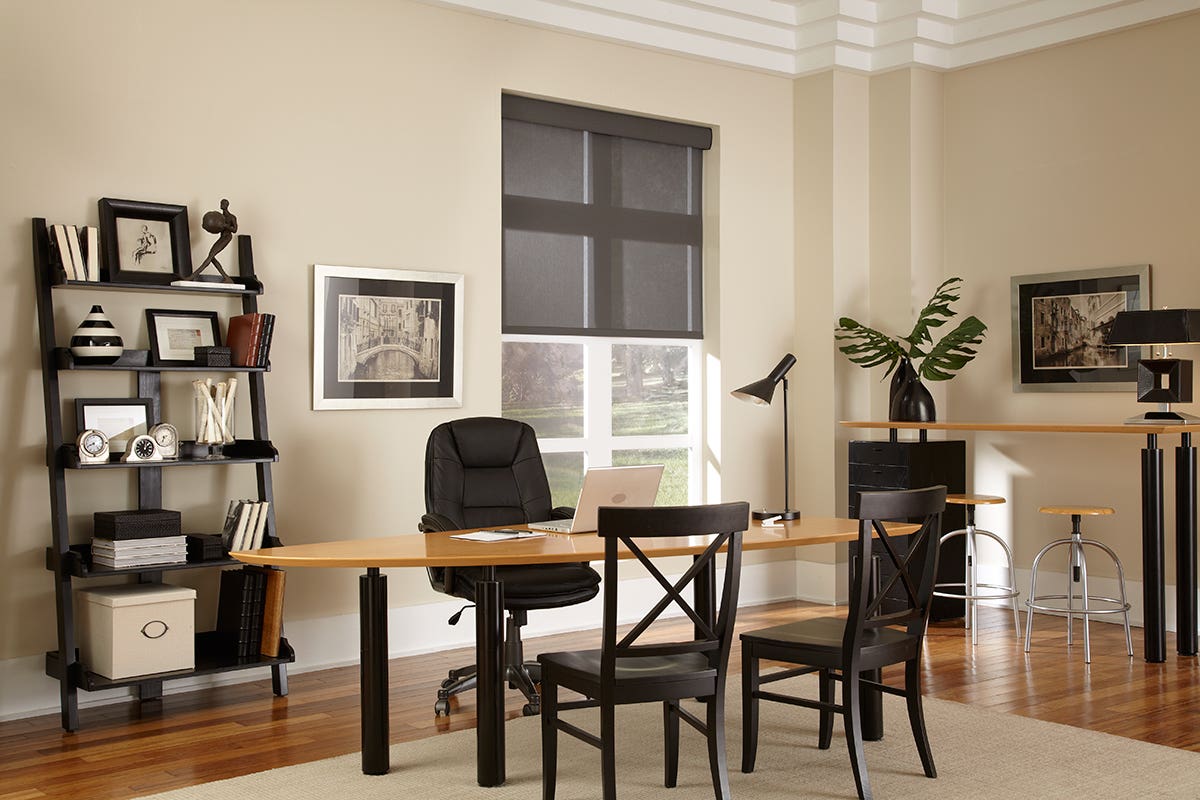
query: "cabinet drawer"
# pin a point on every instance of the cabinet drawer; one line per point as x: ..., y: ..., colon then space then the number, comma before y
x: 879, y: 453
x: 879, y: 476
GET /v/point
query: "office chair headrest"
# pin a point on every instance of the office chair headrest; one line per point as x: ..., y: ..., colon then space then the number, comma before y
x: 490, y: 441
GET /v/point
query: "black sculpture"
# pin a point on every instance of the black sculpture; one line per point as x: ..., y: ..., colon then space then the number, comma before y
x: 224, y: 224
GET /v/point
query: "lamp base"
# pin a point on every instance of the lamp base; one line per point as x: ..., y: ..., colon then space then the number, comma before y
x: 1162, y: 418
x: 780, y: 514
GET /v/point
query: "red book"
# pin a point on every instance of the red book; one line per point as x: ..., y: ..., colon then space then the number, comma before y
x: 242, y: 338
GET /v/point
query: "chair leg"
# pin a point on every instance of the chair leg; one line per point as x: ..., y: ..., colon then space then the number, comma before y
x: 670, y: 743
x: 608, y: 750
x: 715, y: 730
x: 852, y: 699
x: 549, y: 739
x: 749, y: 708
x: 916, y: 715
x: 825, y: 735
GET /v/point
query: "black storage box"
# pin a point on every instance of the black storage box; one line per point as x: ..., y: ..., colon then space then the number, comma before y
x: 204, y: 547
x: 141, y: 523
x: 213, y: 356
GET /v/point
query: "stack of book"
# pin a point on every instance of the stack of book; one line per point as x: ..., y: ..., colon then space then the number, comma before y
x: 250, y: 610
x: 150, y: 552
x: 245, y: 525
x: 249, y: 339
x: 76, y: 252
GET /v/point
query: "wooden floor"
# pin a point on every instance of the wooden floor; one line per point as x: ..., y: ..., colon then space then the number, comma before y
x: 122, y: 751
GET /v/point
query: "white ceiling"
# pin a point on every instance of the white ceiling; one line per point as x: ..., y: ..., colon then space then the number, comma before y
x: 799, y: 37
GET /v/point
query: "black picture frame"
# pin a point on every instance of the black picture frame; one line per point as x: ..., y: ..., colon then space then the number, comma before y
x: 175, y: 333
x: 118, y: 418
x: 386, y: 338
x: 133, y: 256
x: 1060, y: 321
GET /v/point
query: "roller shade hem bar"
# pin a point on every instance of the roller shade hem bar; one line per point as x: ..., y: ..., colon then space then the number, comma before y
x: 610, y: 333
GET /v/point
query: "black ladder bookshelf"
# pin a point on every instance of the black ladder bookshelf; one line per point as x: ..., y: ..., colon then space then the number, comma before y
x: 73, y: 562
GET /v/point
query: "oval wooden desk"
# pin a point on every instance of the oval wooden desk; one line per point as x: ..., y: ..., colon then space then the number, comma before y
x: 1153, y: 569
x: 440, y: 550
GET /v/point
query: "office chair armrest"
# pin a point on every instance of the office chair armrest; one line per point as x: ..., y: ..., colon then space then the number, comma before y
x: 432, y: 523
x: 562, y: 512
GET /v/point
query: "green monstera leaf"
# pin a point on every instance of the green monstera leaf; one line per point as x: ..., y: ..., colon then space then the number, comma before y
x: 868, y: 347
x: 934, y: 315
x: 954, y: 351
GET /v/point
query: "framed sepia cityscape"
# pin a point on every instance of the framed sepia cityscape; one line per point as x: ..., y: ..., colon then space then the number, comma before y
x: 386, y: 338
x: 1060, y: 325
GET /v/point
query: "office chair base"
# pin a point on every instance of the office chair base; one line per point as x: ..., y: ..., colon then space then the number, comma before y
x: 523, y: 678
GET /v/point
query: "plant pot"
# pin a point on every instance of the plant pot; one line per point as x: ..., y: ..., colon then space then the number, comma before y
x: 909, y: 400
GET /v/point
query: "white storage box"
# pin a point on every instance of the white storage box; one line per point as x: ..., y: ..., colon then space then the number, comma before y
x: 139, y: 629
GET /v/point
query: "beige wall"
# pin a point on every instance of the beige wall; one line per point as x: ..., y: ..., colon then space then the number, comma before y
x: 359, y: 133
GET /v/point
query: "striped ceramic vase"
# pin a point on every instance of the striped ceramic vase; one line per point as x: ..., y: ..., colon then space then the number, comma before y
x: 96, y: 341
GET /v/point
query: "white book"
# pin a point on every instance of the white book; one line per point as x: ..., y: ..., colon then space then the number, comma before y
x: 91, y: 258
x: 260, y: 526
x: 232, y: 287
x: 76, y: 253
x: 59, y: 234
x: 239, y: 536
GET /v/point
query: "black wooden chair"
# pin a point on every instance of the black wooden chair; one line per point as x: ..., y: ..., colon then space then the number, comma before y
x: 482, y: 472
x: 624, y: 672
x: 871, y: 637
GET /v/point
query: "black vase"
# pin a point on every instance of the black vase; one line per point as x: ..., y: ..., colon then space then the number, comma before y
x: 909, y: 400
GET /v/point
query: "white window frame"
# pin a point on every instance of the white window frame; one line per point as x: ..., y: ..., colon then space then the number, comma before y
x: 598, y: 442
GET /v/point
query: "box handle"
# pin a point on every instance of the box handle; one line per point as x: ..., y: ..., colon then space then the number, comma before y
x: 155, y: 629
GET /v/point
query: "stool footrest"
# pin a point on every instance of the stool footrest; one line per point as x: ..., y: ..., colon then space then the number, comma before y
x: 1034, y: 604
x: 1002, y: 592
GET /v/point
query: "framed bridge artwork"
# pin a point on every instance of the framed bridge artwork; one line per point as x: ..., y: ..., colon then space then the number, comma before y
x: 386, y: 338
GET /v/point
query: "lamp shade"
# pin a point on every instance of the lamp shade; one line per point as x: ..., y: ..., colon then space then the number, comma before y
x: 1160, y: 326
x: 760, y: 392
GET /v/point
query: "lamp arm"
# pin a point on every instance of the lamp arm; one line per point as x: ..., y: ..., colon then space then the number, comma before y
x: 787, y: 479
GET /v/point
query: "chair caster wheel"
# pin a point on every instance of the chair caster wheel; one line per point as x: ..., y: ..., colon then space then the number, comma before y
x: 441, y: 707
x: 531, y: 710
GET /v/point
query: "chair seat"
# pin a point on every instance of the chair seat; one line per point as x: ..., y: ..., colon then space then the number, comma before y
x: 534, y: 586
x: 571, y: 668
x: 819, y: 640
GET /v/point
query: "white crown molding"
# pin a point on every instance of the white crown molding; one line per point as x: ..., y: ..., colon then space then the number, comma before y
x: 800, y: 37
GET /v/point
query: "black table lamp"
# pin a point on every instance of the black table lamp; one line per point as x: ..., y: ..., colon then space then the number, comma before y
x: 1160, y: 380
x: 760, y: 393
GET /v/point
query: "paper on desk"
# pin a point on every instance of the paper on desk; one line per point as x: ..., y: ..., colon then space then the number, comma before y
x: 498, y: 536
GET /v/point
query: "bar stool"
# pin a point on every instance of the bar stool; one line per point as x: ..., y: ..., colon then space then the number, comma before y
x: 1078, y: 565
x: 970, y: 588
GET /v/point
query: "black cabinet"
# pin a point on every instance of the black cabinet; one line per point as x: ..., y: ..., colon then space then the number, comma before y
x: 915, y: 465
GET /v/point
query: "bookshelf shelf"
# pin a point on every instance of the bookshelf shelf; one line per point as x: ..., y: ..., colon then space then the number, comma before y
x: 71, y: 562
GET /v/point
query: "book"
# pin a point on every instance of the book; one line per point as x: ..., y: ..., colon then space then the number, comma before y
x: 272, y: 614
x: 76, y: 253
x: 251, y: 526
x: 260, y: 526
x: 232, y: 287
x: 60, y: 246
x: 264, y: 341
x: 90, y: 240
x: 242, y: 338
x: 239, y: 535
x: 231, y: 521
x: 238, y: 600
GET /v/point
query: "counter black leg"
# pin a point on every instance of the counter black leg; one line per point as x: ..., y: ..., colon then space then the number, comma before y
x: 1185, y: 546
x: 1153, y: 588
x: 489, y: 688
x: 373, y: 670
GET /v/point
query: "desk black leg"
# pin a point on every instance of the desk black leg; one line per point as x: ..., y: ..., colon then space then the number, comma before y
x: 1153, y: 586
x: 489, y: 688
x: 373, y: 670
x: 1185, y: 547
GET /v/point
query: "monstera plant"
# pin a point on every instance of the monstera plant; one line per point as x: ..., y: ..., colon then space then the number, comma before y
x: 916, y: 355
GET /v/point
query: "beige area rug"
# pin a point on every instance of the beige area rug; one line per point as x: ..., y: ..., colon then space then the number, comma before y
x: 979, y: 754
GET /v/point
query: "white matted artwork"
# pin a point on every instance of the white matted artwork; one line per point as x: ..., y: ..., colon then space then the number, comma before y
x: 386, y: 338
x: 145, y: 245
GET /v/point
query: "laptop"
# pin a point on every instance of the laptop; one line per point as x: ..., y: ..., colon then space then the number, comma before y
x: 607, y: 486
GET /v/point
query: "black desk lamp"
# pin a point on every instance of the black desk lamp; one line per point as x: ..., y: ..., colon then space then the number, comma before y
x: 760, y: 393
x: 1160, y: 380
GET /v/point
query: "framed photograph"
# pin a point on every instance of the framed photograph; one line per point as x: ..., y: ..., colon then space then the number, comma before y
x: 144, y: 242
x: 1060, y: 325
x: 175, y: 335
x: 118, y: 418
x: 386, y: 338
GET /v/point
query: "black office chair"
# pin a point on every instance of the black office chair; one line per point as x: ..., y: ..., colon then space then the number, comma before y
x: 842, y: 649
x: 482, y: 472
x: 625, y: 672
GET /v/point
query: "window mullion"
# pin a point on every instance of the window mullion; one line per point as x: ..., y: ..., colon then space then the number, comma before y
x: 598, y: 391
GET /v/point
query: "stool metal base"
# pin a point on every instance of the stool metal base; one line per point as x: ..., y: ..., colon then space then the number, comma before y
x: 1077, y: 573
x: 970, y: 590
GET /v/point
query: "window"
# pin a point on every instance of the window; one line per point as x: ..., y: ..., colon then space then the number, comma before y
x: 602, y: 311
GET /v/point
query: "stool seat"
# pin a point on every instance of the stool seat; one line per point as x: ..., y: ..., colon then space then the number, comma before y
x: 974, y: 499
x: 1085, y: 511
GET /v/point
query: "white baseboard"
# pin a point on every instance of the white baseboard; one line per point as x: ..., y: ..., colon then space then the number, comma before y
x: 326, y: 642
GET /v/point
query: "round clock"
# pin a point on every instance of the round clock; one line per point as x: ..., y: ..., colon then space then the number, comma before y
x: 93, y: 447
x: 167, y: 438
x: 142, y: 448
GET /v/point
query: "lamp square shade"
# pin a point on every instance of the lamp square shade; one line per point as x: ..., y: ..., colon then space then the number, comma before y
x: 1161, y: 326
x: 1164, y: 380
